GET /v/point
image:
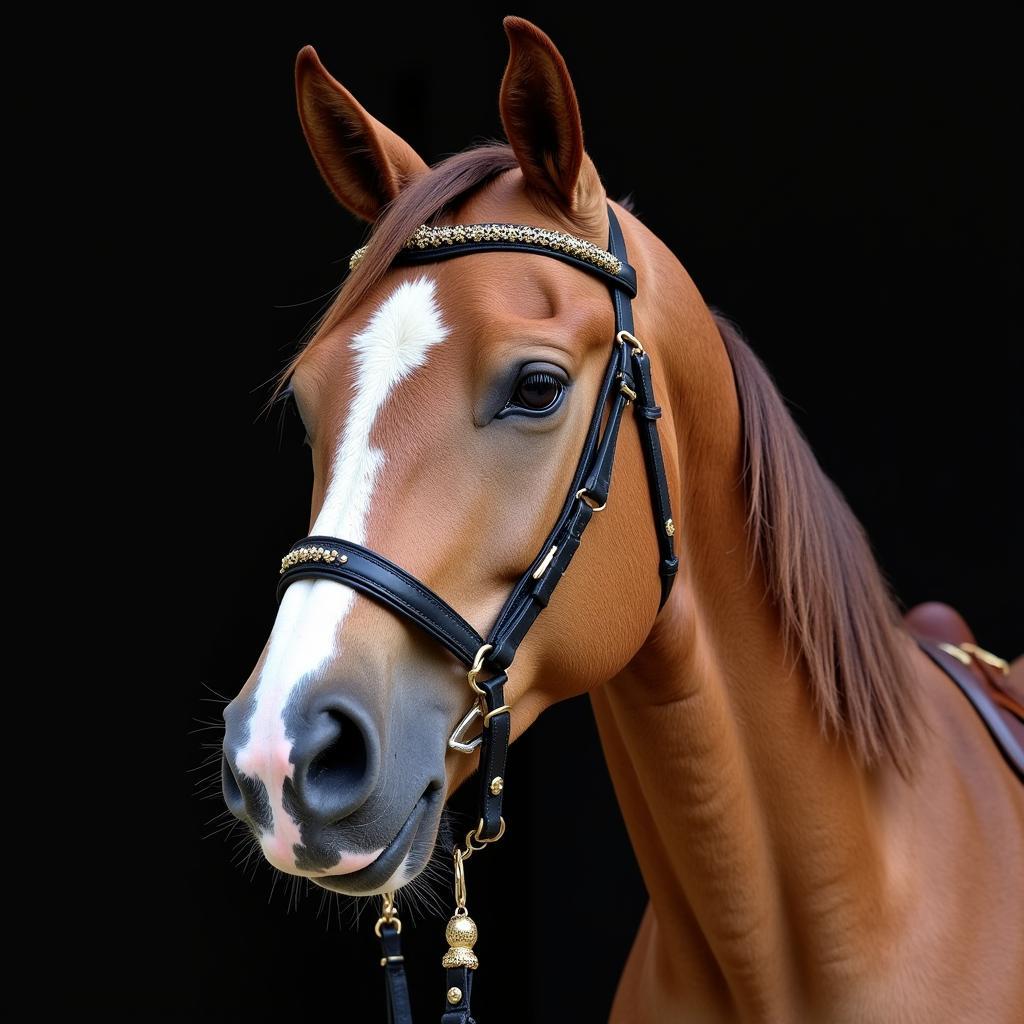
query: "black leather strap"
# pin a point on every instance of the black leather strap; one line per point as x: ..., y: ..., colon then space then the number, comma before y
x: 379, y: 578
x: 395, y: 985
x: 625, y: 279
x: 493, y: 755
x: 458, y: 1012
x: 647, y: 414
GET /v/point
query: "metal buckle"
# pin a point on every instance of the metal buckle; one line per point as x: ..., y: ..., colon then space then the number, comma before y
x: 457, y: 742
x: 633, y: 340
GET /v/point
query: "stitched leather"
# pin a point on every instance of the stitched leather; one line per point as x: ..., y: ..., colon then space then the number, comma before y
x: 624, y: 279
x: 599, y: 480
x: 514, y: 608
x: 493, y: 754
x: 647, y: 414
x: 1003, y: 729
x: 379, y: 578
x: 395, y: 985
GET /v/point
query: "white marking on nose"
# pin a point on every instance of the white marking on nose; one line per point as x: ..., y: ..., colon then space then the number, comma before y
x: 309, y: 620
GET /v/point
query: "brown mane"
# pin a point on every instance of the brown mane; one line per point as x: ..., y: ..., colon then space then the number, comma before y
x: 836, y: 608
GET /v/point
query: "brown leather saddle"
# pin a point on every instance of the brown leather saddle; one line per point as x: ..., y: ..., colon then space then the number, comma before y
x: 983, y: 677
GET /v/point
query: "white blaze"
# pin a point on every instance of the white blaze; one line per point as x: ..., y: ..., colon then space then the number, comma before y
x: 309, y: 620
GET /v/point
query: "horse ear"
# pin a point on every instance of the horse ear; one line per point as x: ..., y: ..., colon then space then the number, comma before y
x: 364, y: 163
x: 542, y: 121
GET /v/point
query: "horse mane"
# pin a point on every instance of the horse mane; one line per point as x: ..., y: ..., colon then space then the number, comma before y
x: 836, y: 609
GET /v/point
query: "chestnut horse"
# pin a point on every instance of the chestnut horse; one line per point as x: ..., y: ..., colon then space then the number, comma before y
x: 825, y: 828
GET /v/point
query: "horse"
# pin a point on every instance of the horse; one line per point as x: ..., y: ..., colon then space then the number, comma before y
x: 821, y: 820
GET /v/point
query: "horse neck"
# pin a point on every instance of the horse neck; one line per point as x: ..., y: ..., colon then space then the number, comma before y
x: 754, y: 832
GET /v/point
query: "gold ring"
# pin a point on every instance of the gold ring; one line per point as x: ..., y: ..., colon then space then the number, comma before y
x: 582, y: 495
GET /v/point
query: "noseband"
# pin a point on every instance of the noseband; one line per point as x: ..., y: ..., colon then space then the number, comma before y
x: 627, y: 381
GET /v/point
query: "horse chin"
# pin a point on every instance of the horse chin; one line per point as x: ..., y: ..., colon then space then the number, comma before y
x: 402, y: 859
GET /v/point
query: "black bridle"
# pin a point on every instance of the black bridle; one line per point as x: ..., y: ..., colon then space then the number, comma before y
x: 627, y: 381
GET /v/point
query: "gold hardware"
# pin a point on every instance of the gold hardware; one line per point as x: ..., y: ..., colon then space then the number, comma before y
x: 628, y: 392
x: 388, y: 915
x: 426, y: 237
x: 460, y: 956
x: 582, y: 495
x: 478, y: 664
x: 461, y: 932
x: 385, y: 960
x: 987, y: 656
x: 473, y: 836
x: 456, y: 742
x: 496, y: 711
x: 670, y: 528
x: 497, y: 785
x: 460, y: 881
x: 633, y: 340
x: 311, y: 554
x: 542, y: 568
x: 956, y: 652
x: 454, y: 994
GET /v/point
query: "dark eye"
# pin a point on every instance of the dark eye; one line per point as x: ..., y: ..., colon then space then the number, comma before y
x: 537, y: 390
x: 537, y: 393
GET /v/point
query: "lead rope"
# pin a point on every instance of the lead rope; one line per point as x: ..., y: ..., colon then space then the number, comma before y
x: 461, y: 932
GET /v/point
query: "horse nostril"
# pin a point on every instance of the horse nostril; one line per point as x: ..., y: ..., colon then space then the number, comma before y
x: 335, y: 764
x: 342, y: 763
x: 232, y: 792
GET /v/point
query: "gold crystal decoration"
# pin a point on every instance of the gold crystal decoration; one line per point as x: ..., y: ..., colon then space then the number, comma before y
x: 454, y: 994
x: 517, y: 234
x: 461, y: 934
x: 670, y: 528
x: 311, y: 554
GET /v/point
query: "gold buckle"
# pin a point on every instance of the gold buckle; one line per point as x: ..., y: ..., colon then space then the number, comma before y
x: 633, y: 340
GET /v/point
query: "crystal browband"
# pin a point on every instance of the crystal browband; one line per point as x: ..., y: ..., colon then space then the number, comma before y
x: 510, y: 234
x: 309, y: 554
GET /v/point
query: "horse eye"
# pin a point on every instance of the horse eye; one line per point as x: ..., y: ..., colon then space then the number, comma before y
x: 537, y: 390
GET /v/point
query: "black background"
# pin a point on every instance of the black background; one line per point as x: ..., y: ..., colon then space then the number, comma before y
x: 843, y: 190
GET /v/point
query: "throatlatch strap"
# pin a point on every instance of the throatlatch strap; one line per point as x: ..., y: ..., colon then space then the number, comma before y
x: 647, y: 415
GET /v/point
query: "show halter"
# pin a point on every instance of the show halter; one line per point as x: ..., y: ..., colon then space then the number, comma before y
x: 627, y: 381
